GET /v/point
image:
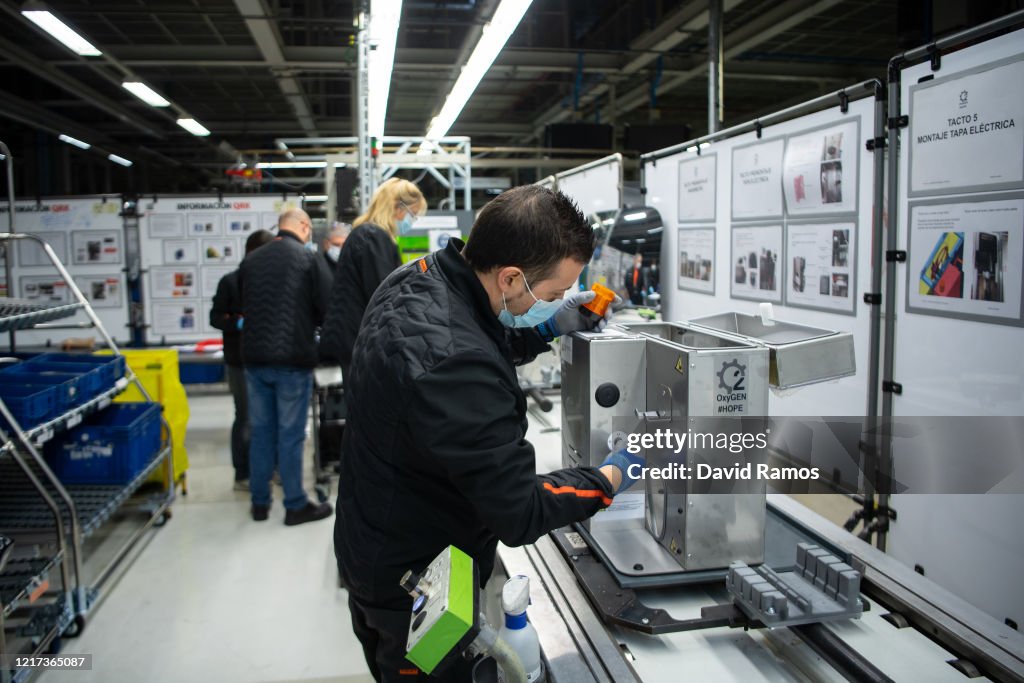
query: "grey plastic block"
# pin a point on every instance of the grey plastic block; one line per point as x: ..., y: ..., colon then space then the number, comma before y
x: 821, y: 587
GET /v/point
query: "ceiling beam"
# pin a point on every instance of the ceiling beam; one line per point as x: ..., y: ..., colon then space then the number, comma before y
x: 264, y: 31
x: 691, y: 18
x: 40, y: 69
x: 34, y: 116
x: 766, y: 26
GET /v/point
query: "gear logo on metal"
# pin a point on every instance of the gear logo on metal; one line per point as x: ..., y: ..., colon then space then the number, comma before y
x: 733, y: 376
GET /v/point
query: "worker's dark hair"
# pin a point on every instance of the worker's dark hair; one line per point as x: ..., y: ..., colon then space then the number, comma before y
x: 532, y: 228
x: 257, y: 240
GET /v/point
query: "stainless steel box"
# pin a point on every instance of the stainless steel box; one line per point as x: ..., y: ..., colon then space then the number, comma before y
x: 800, y: 354
x: 665, y: 376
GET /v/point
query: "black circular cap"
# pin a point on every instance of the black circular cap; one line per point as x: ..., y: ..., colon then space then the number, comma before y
x: 607, y: 395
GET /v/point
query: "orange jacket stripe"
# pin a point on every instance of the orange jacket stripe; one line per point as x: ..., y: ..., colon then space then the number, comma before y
x: 577, y: 492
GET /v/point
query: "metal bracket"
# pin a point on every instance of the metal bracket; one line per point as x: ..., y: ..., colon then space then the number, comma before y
x: 844, y: 102
x: 899, y: 121
x: 891, y: 387
x: 898, y: 256
x: 757, y: 129
x: 876, y: 143
x: 872, y: 299
x: 936, y: 57
x: 622, y: 607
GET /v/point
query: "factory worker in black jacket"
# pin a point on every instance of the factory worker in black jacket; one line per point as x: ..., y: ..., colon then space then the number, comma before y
x: 435, y: 450
x: 370, y: 254
x: 226, y: 316
x: 284, y: 289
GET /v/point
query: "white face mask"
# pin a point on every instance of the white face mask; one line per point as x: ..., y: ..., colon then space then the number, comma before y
x: 333, y: 252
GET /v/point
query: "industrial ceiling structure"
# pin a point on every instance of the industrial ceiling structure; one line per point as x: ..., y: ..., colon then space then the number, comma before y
x: 253, y: 71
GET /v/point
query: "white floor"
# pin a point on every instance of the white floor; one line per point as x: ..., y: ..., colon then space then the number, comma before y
x: 215, y: 596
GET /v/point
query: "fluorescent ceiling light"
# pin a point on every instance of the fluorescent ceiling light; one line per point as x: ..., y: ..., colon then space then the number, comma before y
x: 194, y: 127
x: 145, y: 93
x: 294, y: 164
x: 74, y: 141
x: 119, y: 160
x: 639, y: 216
x: 655, y: 231
x: 492, y: 39
x: 315, y: 198
x: 61, y: 32
x: 383, y: 31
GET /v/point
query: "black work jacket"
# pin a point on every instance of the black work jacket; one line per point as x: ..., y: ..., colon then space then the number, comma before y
x: 224, y: 315
x: 435, y: 450
x: 284, y: 291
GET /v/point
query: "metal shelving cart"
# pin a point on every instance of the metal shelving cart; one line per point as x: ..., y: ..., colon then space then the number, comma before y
x: 44, y: 524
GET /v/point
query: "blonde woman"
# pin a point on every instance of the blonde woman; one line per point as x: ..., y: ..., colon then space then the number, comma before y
x: 369, y: 256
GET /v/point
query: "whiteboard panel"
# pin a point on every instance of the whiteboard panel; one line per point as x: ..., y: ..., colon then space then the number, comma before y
x: 88, y: 236
x: 847, y: 396
x: 952, y: 366
x: 598, y: 188
x: 987, y: 377
x: 189, y: 243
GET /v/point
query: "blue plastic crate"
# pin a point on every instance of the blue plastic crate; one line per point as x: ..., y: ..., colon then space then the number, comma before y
x: 67, y: 384
x: 90, y: 382
x: 29, y: 404
x: 109, y: 447
x: 109, y: 368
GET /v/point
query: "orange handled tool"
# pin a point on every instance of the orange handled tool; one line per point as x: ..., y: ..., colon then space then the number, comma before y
x: 599, y: 305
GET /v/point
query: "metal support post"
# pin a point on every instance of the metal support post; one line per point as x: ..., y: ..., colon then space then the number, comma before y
x: 715, y: 57
x: 366, y: 162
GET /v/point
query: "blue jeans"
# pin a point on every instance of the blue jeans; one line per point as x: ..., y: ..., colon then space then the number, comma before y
x: 278, y: 406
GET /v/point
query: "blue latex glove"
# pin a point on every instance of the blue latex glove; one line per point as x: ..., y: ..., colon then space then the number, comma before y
x: 623, y: 459
x: 569, y: 318
x: 240, y: 323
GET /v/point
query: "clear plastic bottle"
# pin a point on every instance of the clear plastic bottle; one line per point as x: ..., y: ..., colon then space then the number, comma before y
x: 517, y: 632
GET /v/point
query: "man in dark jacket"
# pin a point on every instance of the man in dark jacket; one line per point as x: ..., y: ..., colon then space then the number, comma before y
x: 636, y: 280
x: 284, y: 297
x: 435, y: 450
x: 226, y: 316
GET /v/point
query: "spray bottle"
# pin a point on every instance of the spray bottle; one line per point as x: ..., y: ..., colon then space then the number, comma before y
x: 517, y: 632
